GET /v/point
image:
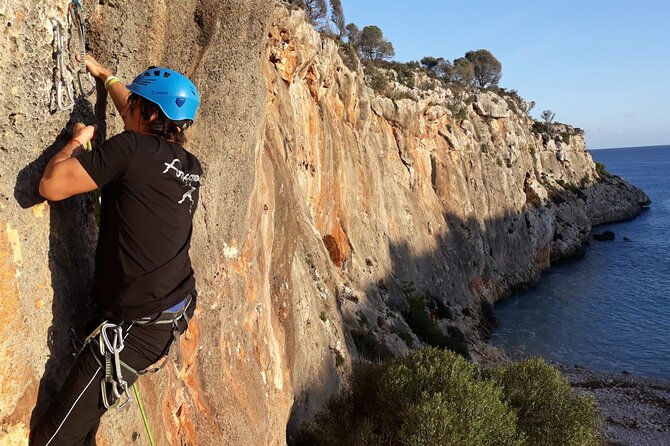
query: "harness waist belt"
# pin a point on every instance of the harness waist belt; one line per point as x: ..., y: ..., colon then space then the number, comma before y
x: 173, y: 313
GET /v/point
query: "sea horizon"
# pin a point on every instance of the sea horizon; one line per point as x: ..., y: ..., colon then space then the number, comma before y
x: 654, y: 146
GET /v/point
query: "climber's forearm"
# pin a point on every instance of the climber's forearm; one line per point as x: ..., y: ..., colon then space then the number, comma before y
x: 115, y: 87
x: 119, y: 94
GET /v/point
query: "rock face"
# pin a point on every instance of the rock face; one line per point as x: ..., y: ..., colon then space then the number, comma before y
x: 324, y: 208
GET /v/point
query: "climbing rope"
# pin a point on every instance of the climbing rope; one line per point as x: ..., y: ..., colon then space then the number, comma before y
x: 144, y: 415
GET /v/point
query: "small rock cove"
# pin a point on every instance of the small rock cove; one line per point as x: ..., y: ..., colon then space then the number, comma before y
x: 608, y: 311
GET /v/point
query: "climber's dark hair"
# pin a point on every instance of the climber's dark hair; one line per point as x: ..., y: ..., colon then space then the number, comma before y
x: 161, y: 126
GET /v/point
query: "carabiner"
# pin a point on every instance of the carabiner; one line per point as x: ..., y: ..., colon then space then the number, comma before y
x: 87, y: 76
x: 63, y: 85
x: 63, y: 88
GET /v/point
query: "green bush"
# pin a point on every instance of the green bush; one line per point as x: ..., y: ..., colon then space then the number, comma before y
x: 377, y: 80
x: 424, y: 326
x: 548, y: 412
x: 348, y: 55
x: 458, y: 112
x: 602, y: 171
x: 419, y: 320
x: 441, y: 400
x: 431, y: 397
x: 566, y: 137
x: 540, y: 127
x: 397, y: 95
x: 435, y: 397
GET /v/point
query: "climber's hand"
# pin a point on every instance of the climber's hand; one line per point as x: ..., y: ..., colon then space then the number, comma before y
x: 82, y: 133
x: 96, y: 68
x: 64, y: 175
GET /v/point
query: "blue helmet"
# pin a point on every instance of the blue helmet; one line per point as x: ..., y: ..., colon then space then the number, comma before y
x: 173, y: 92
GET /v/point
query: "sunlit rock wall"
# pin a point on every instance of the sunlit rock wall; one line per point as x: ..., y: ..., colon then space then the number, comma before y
x: 452, y: 196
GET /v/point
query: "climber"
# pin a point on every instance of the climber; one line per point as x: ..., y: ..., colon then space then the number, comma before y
x: 432, y: 308
x: 144, y: 282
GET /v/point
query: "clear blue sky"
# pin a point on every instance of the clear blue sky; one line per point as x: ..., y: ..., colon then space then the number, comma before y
x: 603, y: 66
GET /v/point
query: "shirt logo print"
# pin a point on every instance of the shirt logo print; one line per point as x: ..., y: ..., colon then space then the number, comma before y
x: 187, y: 178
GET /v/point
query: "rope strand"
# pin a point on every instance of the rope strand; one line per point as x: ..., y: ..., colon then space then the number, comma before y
x: 144, y: 415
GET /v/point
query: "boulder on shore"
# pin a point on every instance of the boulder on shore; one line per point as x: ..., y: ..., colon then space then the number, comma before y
x: 605, y: 236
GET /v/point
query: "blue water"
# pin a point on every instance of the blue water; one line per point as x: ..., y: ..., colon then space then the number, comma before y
x: 610, y: 310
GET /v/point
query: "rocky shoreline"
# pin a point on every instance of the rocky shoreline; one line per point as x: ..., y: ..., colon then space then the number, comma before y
x: 635, y: 409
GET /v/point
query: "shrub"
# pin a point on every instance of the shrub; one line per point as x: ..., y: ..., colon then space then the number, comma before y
x: 422, y: 325
x: 556, y: 197
x: 348, y: 55
x: 540, y: 127
x: 458, y: 112
x: 377, y: 80
x: 548, y: 412
x: 601, y: 170
x: 397, y: 95
x: 368, y: 346
x: 406, y: 72
x: 431, y: 397
x: 435, y: 397
x: 566, y: 137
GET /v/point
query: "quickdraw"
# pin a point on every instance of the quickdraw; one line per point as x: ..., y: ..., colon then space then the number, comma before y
x: 76, y: 17
x: 64, y: 94
x: 65, y: 97
x: 108, y: 338
x: 110, y: 348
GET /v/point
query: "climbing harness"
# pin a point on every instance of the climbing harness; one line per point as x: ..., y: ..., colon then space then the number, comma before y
x: 170, y: 316
x: 107, y: 342
x: 64, y: 94
x: 76, y: 18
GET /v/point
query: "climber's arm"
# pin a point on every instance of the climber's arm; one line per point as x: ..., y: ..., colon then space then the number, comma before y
x: 116, y: 89
x: 64, y: 176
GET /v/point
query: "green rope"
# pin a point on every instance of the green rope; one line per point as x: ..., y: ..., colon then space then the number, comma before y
x: 144, y: 415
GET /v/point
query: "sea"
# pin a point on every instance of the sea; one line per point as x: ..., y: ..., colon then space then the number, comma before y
x: 610, y: 310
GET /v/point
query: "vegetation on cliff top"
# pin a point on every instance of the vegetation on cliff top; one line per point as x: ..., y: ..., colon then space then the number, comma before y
x: 435, y: 397
x: 477, y: 69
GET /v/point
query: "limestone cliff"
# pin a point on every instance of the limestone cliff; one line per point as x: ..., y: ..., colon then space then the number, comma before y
x: 324, y: 208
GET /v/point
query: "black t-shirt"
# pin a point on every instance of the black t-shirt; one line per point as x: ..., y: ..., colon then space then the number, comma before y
x: 149, y: 194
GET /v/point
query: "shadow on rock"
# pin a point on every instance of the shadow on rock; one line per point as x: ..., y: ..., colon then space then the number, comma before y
x: 444, y: 296
x: 72, y: 240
